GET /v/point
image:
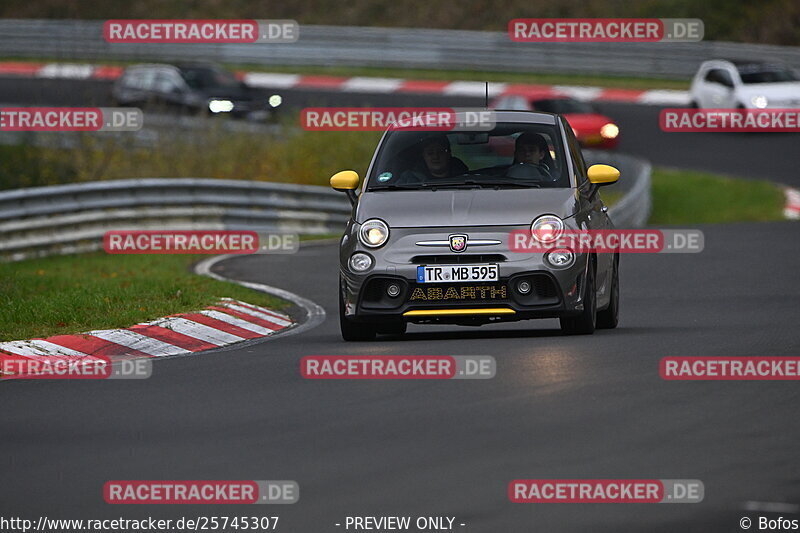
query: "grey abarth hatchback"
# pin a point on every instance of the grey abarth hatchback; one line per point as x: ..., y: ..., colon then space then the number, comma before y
x: 429, y: 239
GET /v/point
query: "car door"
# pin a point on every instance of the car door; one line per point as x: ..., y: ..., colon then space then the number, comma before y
x: 593, y: 213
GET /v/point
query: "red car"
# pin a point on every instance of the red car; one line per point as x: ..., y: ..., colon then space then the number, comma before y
x: 592, y: 129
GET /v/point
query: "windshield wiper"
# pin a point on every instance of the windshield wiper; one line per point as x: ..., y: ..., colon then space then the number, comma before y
x: 514, y: 183
x: 395, y: 187
x: 466, y: 184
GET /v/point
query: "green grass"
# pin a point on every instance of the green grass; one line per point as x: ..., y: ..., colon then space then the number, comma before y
x: 73, y: 294
x: 689, y: 197
x: 296, y: 156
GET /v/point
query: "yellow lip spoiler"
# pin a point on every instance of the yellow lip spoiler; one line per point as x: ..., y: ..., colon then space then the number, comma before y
x: 453, y: 312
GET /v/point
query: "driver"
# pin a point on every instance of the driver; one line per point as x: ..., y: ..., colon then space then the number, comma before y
x: 531, y: 148
x: 438, y: 162
x: 436, y: 154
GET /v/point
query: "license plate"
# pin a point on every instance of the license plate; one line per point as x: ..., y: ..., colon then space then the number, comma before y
x: 456, y: 273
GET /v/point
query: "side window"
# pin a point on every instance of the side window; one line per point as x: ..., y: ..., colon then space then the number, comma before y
x: 139, y: 79
x: 720, y: 76
x: 165, y: 82
x: 145, y: 79
x: 575, y: 153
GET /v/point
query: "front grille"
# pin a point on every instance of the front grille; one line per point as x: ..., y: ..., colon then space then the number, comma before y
x: 457, y: 259
x: 544, y: 286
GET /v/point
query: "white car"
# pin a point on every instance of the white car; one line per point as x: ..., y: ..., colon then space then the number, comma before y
x: 722, y: 84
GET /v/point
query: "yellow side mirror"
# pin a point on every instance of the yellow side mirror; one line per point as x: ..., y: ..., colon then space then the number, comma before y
x: 603, y: 174
x: 346, y: 180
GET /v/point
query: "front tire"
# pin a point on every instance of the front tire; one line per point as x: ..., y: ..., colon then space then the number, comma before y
x: 583, y: 324
x: 609, y: 317
x: 353, y: 331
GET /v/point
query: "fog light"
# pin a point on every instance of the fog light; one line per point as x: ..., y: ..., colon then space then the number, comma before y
x: 393, y: 290
x: 360, y: 262
x: 560, y: 258
x: 524, y: 287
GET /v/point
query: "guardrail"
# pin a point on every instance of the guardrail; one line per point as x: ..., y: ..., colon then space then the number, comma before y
x: 633, y: 209
x: 390, y: 47
x: 64, y: 219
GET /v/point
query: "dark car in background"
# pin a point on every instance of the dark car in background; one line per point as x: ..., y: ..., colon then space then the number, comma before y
x: 592, y: 128
x: 193, y: 88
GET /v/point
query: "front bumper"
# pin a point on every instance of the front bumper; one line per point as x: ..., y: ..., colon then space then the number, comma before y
x: 554, y: 292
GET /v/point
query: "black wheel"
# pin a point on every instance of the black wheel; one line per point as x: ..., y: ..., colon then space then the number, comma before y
x: 693, y: 105
x: 392, y: 328
x: 609, y: 318
x: 584, y: 323
x: 351, y: 330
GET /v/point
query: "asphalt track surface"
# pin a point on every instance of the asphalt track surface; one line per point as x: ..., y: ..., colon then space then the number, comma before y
x: 559, y: 407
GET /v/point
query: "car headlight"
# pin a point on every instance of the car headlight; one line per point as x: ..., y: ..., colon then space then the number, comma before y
x: 275, y: 100
x: 609, y: 131
x: 547, y: 228
x: 373, y: 233
x: 220, y: 106
x: 759, y: 101
x: 360, y: 262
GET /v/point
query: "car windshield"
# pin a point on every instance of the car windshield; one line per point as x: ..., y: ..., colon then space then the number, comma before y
x: 509, y: 156
x: 761, y: 74
x: 208, y: 78
x: 562, y: 106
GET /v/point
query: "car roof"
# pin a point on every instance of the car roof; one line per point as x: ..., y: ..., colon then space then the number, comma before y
x: 529, y: 117
x: 150, y: 65
x: 176, y: 66
x: 738, y: 63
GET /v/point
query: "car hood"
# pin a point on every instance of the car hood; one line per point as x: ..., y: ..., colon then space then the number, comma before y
x: 783, y: 90
x: 472, y: 207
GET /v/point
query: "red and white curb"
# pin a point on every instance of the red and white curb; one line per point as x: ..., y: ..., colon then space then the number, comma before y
x: 228, y: 322
x: 792, y: 208
x: 359, y: 84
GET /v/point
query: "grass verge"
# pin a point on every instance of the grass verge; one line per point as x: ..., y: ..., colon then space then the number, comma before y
x: 72, y: 294
x: 295, y: 156
x: 690, y: 197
